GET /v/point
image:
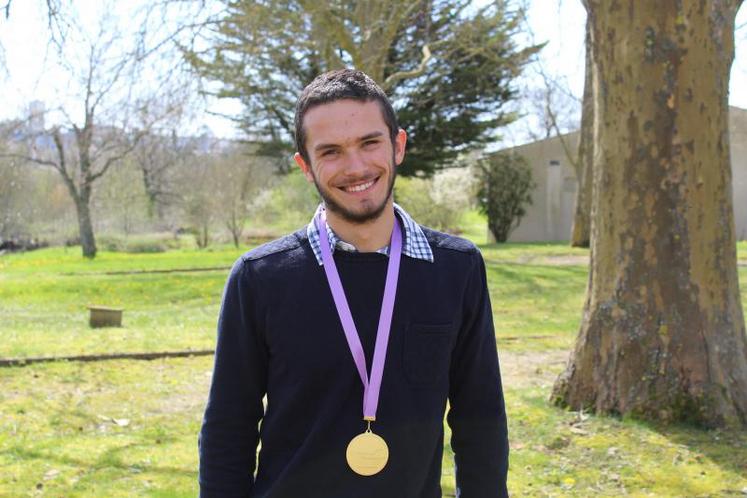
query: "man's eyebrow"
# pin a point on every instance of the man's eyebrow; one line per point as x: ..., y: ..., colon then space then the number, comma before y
x: 369, y: 136
x: 375, y: 134
x: 325, y: 146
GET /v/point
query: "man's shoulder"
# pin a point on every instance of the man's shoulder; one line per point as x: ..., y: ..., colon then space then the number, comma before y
x: 288, y: 246
x: 446, y: 242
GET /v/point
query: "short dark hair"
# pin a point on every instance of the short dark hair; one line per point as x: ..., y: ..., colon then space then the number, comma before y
x: 338, y: 85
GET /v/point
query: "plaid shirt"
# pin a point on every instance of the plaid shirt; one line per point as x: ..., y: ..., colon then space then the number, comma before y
x: 415, y: 245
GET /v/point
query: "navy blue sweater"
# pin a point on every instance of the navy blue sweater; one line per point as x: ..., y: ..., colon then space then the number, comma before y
x: 279, y: 335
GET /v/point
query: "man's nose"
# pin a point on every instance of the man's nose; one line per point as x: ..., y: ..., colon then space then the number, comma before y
x: 355, y: 162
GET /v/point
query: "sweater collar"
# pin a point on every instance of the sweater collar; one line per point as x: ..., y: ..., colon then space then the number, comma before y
x: 415, y: 244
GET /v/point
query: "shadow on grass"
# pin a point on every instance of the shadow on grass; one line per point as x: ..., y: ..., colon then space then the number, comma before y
x: 726, y: 448
x: 529, y: 276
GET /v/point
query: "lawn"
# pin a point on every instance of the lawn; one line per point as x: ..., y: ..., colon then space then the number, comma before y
x: 128, y: 428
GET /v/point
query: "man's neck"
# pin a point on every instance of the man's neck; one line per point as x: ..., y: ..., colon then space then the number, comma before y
x: 366, y: 237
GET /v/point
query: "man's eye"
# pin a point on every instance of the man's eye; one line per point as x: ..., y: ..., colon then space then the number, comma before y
x: 370, y: 143
x: 328, y: 153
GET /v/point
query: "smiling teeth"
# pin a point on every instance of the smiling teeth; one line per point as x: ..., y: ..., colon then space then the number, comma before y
x: 361, y: 187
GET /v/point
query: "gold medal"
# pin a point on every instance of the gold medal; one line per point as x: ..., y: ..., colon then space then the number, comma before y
x: 367, y: 453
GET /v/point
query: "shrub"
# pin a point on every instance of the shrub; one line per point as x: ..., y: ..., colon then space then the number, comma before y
x: 505, y: 191
x: 146, y: 243
x: 440, y: 201
x: 113, y: 243
x: 145, y: 246
x: 289, y: 204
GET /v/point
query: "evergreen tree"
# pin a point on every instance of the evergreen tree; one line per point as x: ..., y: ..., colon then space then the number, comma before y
x: 446, y: 65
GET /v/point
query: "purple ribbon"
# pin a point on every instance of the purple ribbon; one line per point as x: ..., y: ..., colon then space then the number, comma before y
x: 372, y: 385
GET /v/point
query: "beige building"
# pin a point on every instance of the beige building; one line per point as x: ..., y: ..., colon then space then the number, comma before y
x: 551, y: 215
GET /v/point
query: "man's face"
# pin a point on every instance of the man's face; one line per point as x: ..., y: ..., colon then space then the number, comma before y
x: 352, y: 158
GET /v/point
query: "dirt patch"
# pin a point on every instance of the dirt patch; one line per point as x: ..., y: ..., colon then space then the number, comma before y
x: 578, y: 260
x: 531, y: 369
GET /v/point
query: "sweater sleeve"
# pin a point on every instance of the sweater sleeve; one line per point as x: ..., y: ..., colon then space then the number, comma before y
x: 477, y: 415
x: 229, y: 435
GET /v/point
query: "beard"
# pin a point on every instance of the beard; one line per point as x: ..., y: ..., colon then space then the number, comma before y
x: 357, y: 217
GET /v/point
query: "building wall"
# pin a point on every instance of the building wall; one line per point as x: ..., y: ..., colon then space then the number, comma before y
x: 551, y: 215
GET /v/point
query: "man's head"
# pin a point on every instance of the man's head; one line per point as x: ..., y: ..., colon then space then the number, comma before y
x: 349, y: 84
x: 349, y: 144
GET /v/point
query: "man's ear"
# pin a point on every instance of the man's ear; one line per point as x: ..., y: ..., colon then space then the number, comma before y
x: 399, y: 146
x: 306, y: 168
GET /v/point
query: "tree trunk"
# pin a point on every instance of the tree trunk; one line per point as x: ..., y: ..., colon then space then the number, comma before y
x: 203, y: 235
x: 235, y: 226
x: 152, y: 191
x: 663, y: 333
x: 85, y: 227
x: 581, y: 230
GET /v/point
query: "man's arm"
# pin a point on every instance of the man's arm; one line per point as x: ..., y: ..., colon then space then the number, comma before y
x: 229, y: 435
x: 477, y: 414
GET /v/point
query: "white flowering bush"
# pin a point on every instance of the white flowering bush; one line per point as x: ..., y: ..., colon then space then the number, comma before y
x: 440, y: 201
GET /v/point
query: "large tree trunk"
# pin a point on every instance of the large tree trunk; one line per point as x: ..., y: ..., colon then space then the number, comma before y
x: 581, y: 230
x: 663, y: 333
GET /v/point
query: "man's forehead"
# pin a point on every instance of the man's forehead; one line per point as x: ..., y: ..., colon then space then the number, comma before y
x: 344, y: 118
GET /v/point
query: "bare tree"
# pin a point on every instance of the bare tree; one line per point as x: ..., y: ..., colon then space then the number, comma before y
x: 197, y: 192
x: 105, y: 119
x: 159, y: 156
x: 10, y: 191
x: 218, y: 185
x: 240, y: 177
x: 85, y: 151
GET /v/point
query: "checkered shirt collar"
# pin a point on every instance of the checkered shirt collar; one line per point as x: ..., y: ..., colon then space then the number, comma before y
x: 415, y: 245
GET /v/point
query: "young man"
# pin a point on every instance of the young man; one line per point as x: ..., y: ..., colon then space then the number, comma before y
x: 357, y: 329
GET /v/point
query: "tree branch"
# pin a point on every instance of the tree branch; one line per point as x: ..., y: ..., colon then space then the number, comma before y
x: 566, y: 148
x: 400, y: 75
x: 326, y: 21
x: 60, y: 152
x: 117, y: 157
x: 31, y: 159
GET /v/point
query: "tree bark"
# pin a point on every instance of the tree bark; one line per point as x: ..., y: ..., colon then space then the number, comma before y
x: 581, y: 230
x: 663, y: 334
x: 85, y: 227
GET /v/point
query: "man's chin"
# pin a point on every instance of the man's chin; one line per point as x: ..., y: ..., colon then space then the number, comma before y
x: 362, y: 217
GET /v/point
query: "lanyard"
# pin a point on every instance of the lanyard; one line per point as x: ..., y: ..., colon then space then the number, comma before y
x: 372, y: 385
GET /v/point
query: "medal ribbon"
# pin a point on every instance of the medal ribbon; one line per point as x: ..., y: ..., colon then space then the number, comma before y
x: 372, y: 386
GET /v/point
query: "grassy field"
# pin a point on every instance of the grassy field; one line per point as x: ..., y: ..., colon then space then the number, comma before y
x: 128, y: 428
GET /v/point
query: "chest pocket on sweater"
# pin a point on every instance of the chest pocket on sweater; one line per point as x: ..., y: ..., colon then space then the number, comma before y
x: 427, y: 353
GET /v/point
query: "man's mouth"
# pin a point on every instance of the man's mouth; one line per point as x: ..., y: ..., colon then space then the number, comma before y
x: 359, y: 187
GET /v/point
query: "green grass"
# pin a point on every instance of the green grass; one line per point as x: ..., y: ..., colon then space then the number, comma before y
x: 105, y: 429
x: 44, y: 297
x: 128, y: 428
